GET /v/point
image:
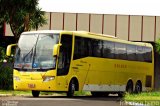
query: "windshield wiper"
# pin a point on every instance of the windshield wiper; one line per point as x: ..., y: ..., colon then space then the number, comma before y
x: 31, y: 51
x: 35, y: 51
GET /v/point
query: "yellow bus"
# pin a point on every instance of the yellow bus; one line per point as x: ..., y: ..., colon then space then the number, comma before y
x: 70, y: 61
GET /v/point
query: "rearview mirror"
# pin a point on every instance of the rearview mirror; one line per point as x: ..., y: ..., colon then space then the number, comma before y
x: 9, y: 48
x: 56, y: 49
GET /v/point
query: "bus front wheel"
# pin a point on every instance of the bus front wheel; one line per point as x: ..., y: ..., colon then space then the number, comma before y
x: 35, y: 93
x: 72, y: 88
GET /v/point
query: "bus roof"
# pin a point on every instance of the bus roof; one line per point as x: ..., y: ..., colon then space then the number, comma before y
x: 59, y: 31
x: 93, y: 35
x: 43, y: 31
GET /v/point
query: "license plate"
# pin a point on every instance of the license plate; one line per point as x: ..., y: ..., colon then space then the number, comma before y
x: 31, y: 85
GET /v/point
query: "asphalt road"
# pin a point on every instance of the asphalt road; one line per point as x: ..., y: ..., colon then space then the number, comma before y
x: 61, y: 101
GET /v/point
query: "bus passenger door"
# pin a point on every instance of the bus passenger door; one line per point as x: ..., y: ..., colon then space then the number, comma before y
x: 64, y: 61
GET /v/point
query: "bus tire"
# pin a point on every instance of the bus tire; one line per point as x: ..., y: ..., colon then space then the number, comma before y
x: 129, y: 87
x: 138, y: 87
x: 35, y: 93
x: 72, y: 88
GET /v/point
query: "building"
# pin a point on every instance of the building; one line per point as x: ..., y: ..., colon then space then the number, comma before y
x: 133, y: 28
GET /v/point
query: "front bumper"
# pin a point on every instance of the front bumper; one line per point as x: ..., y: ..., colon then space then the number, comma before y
x: 35, y: 85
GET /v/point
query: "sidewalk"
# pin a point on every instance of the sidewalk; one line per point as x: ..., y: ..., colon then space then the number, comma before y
x: 5, y: 93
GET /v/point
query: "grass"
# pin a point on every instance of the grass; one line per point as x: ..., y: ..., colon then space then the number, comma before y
x: 149, y: 98
x: 14, y: 93
x: 82, y: 93
x: 143, y: 96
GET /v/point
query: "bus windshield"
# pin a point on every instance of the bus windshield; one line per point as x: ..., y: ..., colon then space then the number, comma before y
x: 35, y: 51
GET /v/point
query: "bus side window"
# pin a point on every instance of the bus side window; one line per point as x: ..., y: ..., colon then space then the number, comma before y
x: 97, y: 48
x: 81, y: 48
x: 65, y: 55
x: 120, y: 51
x: 78, y: 48
x: 147, y: 54
x: 131, y: 52
x: 108, y: 49
x: 140, y: 53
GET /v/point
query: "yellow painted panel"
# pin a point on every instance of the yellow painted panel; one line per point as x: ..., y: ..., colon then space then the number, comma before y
x: 135, y: 28
x: 122, y: 27
x: 57, y: 21
x: 96, y: 23
x: 83, y: 22
x: 109, y: 25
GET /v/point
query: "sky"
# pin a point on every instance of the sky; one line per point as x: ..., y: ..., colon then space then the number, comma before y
x: 124, y: 7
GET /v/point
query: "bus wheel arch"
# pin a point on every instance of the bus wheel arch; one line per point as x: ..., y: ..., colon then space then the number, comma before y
x: 138, y: 87
x: 35, y: 93
x: 129, y: 86
x: 73, y: 86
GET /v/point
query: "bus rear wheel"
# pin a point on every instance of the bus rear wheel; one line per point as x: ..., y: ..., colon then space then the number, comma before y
x: 35, y: 93
x: 129, y: 87
x: 138, y: 87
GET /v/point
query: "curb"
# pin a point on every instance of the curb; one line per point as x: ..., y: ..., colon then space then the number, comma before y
x: 4, y: 95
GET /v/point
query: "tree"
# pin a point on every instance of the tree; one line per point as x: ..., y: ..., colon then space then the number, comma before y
x: 2, y: 56
x: 37, y: 19
x: 158, y: 46
x: 22, y: 15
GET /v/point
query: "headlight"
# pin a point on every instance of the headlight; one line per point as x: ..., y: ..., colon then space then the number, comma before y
x: 16, y: 78
x: 48, y: 78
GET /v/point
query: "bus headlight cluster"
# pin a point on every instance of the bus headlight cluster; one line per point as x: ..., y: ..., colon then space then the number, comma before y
x: 48, y: 78
x: 16, y: 78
